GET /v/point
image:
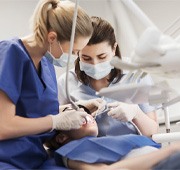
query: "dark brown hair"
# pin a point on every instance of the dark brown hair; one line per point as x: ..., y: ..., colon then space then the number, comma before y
x: 102, y: 32
x: 53, y: 144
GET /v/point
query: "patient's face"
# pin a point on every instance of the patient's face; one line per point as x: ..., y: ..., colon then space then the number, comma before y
x: 89, y: 128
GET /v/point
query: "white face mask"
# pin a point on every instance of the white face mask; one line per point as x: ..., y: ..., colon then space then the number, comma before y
x: 97, y: 71
x: 62, y: 60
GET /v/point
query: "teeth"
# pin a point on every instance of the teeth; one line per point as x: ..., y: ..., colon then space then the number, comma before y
x: 89, y: 120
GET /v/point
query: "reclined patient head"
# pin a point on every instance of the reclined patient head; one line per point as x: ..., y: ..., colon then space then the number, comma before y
x: 89, y: 128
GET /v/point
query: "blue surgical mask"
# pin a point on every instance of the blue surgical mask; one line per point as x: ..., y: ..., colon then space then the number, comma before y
x: 62, y: 60
x: 97, y: 71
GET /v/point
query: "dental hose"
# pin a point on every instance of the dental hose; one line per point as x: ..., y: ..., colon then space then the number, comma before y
x: 74, y: 105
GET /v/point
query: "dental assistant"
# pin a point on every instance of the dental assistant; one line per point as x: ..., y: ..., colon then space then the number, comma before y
x: 93, y: 71
x: 29, y: 107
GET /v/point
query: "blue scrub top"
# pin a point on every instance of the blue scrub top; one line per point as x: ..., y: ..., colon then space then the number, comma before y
x: 34, y: 96
x: 106, y: 124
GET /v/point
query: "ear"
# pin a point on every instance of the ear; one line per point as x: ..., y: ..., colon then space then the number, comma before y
x: 61, y: 138
x: 114, y: 48
x: 52, y: 36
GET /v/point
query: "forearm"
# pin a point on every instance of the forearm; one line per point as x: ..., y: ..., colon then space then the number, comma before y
x: 143, y: 162
x: 18, y: 126
x: 12, y: 126
x: 146, y: 125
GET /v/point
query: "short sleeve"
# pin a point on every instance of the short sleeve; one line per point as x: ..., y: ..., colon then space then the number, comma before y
x: 73, y: 86
x: 61, y: 90
x: 11, y: 70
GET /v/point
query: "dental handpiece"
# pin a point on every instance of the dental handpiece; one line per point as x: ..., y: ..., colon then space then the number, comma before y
x: 106, y: 109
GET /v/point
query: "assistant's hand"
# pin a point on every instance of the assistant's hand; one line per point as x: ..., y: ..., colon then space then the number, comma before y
x: 93, y: 105
x: 123, y: 112
x: 70, y: 119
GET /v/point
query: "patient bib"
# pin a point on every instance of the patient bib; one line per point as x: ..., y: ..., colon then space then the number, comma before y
x: 106, y: 149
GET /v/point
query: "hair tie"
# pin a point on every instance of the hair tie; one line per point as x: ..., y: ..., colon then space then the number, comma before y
x: 54, y: 4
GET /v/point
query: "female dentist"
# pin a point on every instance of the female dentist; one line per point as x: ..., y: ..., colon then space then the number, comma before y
x: 93, y: 72
x: 29, y: 107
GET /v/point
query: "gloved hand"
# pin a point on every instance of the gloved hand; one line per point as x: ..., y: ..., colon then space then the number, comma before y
x: 64, y: 107
x: 123, y: 112
x: 70, y: 119
x: 93, y: 105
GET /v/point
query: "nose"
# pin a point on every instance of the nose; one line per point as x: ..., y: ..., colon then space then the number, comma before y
x: 94, y: 61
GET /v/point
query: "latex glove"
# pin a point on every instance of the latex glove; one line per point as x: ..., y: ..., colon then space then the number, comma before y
x: 123, y: 112
x: 93, y: 105
x: 70, y: 119
x: 62, y: 108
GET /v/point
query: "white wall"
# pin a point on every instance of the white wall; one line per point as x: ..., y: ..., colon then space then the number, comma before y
x: 15, y: 15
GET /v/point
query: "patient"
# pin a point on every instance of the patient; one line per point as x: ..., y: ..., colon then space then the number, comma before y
x: 81, y: 149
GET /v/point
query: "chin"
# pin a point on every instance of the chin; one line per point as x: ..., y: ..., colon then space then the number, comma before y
x: 92, y: 131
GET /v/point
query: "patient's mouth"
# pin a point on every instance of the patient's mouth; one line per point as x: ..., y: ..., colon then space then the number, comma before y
x: 89, y: 120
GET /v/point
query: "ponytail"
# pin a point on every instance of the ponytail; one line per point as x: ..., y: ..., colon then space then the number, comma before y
x: 53, y: 15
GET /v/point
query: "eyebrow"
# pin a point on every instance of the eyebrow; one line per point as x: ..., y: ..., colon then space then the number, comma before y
x: 101, y: 54
x: 96, y: 55
x: 85, y: 55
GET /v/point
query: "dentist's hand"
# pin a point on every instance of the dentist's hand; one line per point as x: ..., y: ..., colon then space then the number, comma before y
x: 70, y: 119
x: 93, y: 105
x: 123, y: 112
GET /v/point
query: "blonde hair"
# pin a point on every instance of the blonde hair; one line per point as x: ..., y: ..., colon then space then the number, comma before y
x: 57, y: 16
